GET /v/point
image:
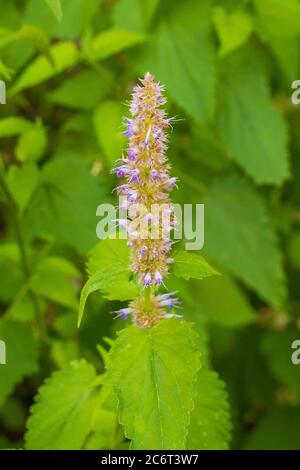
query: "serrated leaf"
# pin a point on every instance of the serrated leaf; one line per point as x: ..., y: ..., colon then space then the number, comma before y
x: 106, y: 252
x: 111, y: 42
x: 233, y: 29
x: 153, y: 373
x: 63, y: 414
x: 21, y: 356
x: 188, y: 265
x: 64, y: 55
x: 182, y: 44
x: 62, y: 206
x: 107, y: 120
x: 252, y: 128
x: 238, y: 231
x: 210, y: 427
x: 55, y: 7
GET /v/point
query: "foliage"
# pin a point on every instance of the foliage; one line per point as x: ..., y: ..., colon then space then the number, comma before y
x: 227, y: 66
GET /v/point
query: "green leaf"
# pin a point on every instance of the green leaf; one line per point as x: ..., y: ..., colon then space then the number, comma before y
x: 55, y: 7
x: 188, y: 265
x: 82, y: 91
x: 107, y: 121
x: 134, y: 15
x: 210, y: 426
x: 238, y: 231
x: 62, y: 206
x: 181, y: 55
x: 22, y: 181
x: 111, y: 42
x: 223, y: 302
x: 100, y: 280
x: 277, y: 349
x: 277, y: 430
x: 107, y: 252
x: 153, y: 373
x: 12, y: 126
x: 280, y: 18
x: 25, y: 151
x: 63, y: 414
x: 121, y: 289
x: 253, y: 129
x: 21, y: 356
x: 233, y: 29
x: 5, y: 71
x: 64, y: 55
x: 54, y: 279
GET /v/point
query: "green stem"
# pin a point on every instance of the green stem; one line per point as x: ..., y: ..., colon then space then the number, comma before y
x: 23, y: 256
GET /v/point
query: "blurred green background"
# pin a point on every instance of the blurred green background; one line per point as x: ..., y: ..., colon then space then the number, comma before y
x: 228, y: 67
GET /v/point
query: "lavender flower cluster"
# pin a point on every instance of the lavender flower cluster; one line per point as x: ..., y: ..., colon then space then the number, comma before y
x: 147, y: 184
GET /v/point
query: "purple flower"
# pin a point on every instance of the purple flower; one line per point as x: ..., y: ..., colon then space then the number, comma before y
x: 147, y: 280
x: 123, y: 313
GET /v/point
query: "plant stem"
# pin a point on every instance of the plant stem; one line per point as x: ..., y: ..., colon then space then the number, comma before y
x: 23, y: 256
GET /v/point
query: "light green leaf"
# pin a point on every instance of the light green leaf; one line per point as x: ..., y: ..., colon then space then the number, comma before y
x: 188, y: 265
x: 64, y: 55
x: 12, y: 126
x: 238, y: 231
x: 5, y: 71
x: 82, y: 91
x: 106, y: 252
x: 63, y: 414
x: 251, y: 126
x: 21, y: 356
x: 25, y: 151
x: 210, y: 426
x: 281, y: 18
x: 153, y: 372
x: 100, y: 280
x: 54, y: 279
x: 22, y: 181
x: 121, y: 289
x: 107, y: 123
x: 233, y: 29
x: 181, y: 55
x: 55, y: 7
x: 111, y: 42
x: 134, y: 15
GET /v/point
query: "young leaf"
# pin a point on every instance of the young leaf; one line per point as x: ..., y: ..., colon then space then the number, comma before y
x: 21, y: 355
x: 210, y: 426
x: 100, y: 280
x: 182, y: 44
x: 55, y: 7
x: 188, y: 265
x: 64, y: 55
x: 63, y: 414
x: 238, y: 231
x: 12, y: 126
x: 22, y: 181
x: 25, y: 151
x: 153, y: 373
x: 233, y: 28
